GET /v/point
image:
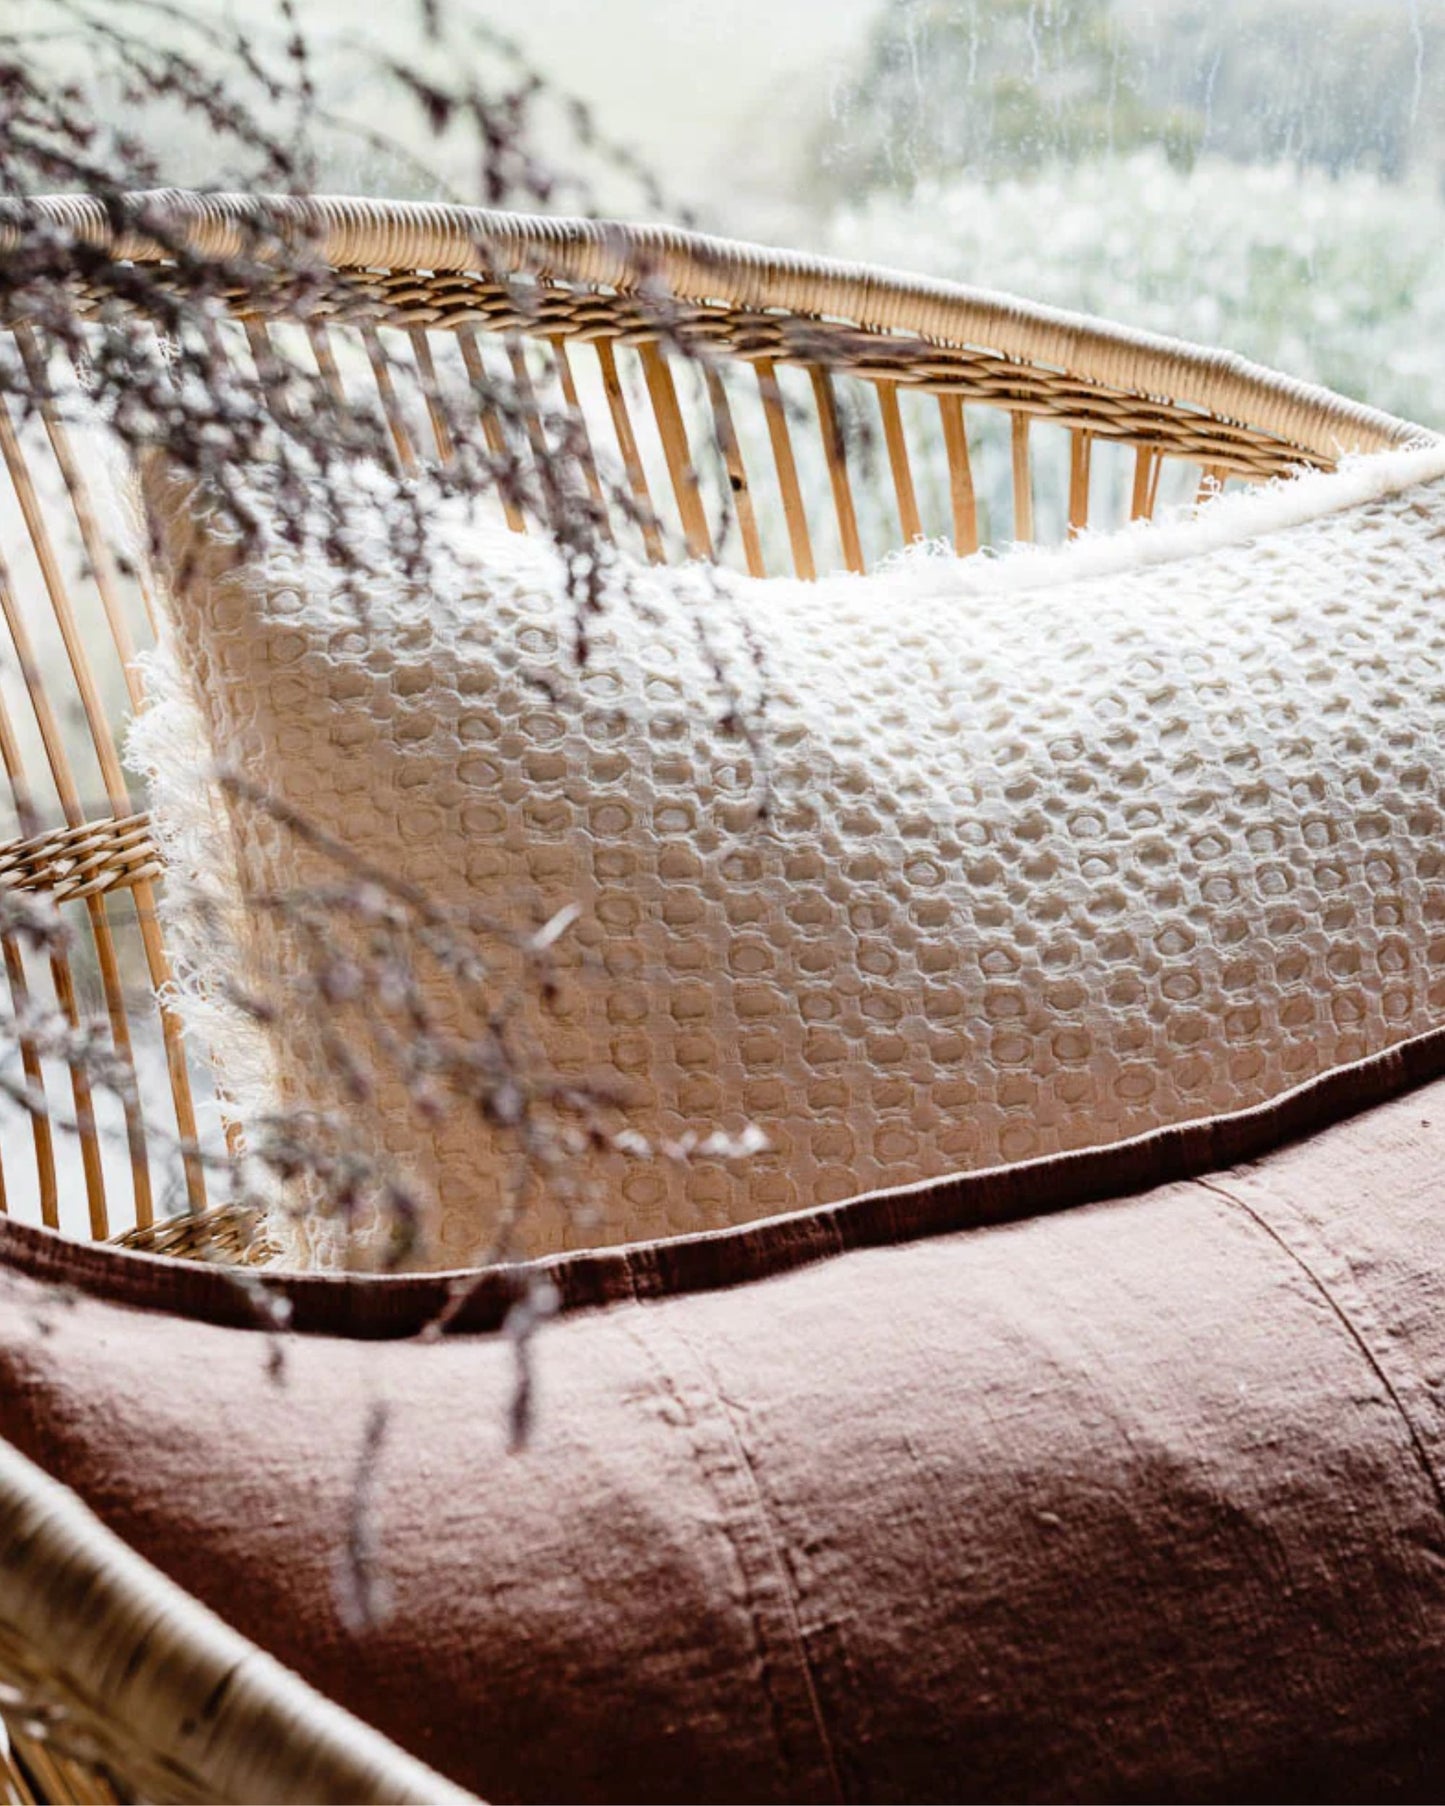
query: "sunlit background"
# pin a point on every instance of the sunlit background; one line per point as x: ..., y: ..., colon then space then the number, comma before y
x: 1262, y: 174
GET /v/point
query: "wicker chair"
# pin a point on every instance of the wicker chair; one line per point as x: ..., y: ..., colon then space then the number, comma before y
x: 117, y: 1685
x: 996, y: 420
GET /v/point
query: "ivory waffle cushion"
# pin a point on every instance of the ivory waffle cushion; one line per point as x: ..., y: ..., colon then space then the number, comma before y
x: 1061, y: 847
x: 1140, y: 1500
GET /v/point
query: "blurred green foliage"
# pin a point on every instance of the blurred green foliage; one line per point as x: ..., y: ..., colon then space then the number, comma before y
x: 1338, y: 279
x: 985, y: 88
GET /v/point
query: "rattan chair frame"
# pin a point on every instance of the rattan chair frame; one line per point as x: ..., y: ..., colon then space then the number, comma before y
x: 435, y: 273
x: 116, y: 1683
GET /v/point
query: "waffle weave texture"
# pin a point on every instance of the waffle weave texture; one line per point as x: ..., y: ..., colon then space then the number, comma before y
x: 1056, y: 848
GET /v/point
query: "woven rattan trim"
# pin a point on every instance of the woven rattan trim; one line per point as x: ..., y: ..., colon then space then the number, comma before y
x: 408, y: 299
x: 103, y: 1658
x: 349, y: 233
x: 234, y: 1235
x: 83, y: 861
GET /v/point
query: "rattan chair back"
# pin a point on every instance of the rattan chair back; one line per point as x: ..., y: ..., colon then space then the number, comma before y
x: 840, y: 412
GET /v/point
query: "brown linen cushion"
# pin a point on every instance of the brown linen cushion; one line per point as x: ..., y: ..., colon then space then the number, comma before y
x: 1063, y: 846
x: 945, y: 1493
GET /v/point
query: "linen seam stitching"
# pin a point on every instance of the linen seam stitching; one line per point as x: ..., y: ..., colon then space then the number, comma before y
x: 1357, y: 1334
